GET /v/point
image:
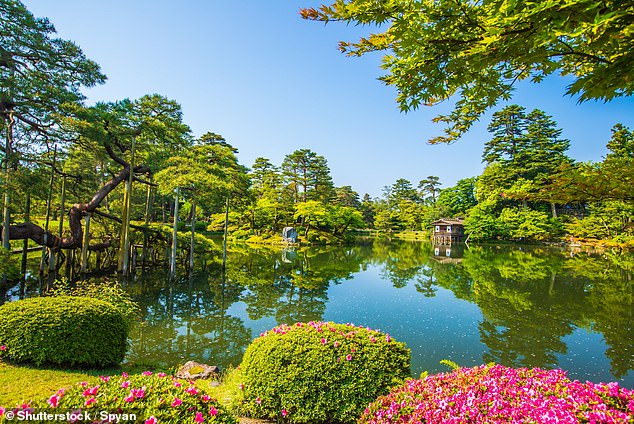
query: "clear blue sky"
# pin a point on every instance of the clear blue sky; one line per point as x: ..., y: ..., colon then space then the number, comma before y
x: 271, y: 83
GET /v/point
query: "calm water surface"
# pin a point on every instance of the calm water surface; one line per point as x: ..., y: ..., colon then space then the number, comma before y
x: 518, y: 306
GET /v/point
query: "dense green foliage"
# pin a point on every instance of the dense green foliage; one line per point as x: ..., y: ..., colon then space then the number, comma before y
x: 8, y: 264
x: 107, y: 291
x: 123, y: 159
x: 478, y: 50
x: 65, y: 330
x: 320, y: 372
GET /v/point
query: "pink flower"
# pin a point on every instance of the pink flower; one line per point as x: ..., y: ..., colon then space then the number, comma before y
x: 191, y: 390
x: 92, y: 391
x: 336, y: 344
x: 258, y: 400
x: 105, y: 379
x: 348, y: 357
x: 323, y: 341
x: 61, y: 392
x: 125, y: 384
x: 147, y: 373
x: 176, y: 384
x: 176, y: 402
x: 3, y: 348
x: 151, y: 420
x: 53, y: 401
x: 125, y: 375
x: 90, y: 401
x: 206, y: 398
x: 213, y: 411
x: 388, y: 338
x: 2, y: 411
x: 241, y: 386
x: 130, y: 397
x: 284, y: 412
x: 199, y: 417
x: 139, y: 393
x: 161, y: 374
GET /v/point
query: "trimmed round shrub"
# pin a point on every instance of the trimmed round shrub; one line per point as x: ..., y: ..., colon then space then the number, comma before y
x: 497, y: 394
x: 320, y: 371
x: 65, y: 330
x: 105, y: 290
x: 152, y: 398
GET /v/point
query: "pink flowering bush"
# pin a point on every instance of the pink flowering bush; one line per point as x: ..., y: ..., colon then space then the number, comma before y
x: 154, y: 398
x: 319, y: 372
x: 497, y: 394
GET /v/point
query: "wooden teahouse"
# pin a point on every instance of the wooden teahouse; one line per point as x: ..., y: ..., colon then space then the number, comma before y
x: 448, y: 231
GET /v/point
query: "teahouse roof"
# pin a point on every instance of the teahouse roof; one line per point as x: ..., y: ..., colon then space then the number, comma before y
x: 449, y: 221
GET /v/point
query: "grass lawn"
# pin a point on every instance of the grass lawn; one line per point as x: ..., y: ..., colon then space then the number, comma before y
x: 20, y: 384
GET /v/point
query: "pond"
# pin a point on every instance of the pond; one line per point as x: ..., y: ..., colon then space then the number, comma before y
x: 514, y: 305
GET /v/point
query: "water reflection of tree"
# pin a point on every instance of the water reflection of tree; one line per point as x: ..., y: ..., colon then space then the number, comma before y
x: 527, y: 309
x: 187, y: 319
x: 610, y: 285
x: 291, y: 285
x: 453, y: 277
x: 404, y: 261
x: 531, y: 299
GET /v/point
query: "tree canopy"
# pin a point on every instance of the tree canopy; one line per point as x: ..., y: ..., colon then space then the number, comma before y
x: 478, y: 50
x: 39, y: 74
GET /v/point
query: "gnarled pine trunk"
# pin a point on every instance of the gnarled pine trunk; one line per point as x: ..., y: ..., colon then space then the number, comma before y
x: 28, y: 230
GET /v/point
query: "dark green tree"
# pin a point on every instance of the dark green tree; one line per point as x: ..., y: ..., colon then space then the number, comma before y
x: 611, y: 179
x: 429, y: 188
x: 264, y: 176
x: 508, y: 128
x: 527, y: 148
x: 40, y: 76
x: 308, y: 176
x: 346, y: 196
x: 151, y: 126
x: 368, y: 210
x: 401, y: 190
x: 547, y: 152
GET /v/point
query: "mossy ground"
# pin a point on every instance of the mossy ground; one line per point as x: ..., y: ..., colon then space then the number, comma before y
x: 20, y: 384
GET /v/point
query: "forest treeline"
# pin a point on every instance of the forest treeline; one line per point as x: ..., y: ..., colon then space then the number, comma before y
x: 129, y: 164
x: 530, y: 188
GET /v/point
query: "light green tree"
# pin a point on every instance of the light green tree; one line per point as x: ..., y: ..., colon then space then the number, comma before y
x: 341, y: 218
x: 457, y: 200
x: 477, y: 51
x: 312, y: 214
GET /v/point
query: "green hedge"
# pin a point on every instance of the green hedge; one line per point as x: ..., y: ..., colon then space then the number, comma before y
x: 108, y: 291
x: 65, y: 330
x: 320, y: 372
